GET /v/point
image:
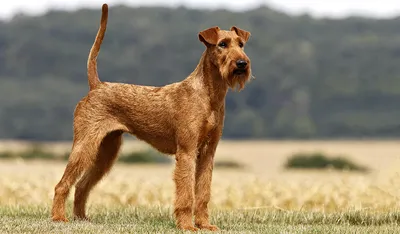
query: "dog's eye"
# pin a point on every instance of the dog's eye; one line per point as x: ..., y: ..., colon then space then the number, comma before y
x: 241, y: 44
x: 222, y: 44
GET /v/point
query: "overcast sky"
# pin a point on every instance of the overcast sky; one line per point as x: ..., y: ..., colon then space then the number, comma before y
x: 332, y: 8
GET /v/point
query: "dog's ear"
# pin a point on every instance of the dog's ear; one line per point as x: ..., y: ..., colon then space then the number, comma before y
x: 241, y: 33
x: 209, y: 36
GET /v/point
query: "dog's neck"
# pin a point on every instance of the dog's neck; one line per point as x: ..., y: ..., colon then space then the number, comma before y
x: 208, y: 75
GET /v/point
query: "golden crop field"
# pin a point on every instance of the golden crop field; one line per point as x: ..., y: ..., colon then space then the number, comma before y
x: 262, y: 184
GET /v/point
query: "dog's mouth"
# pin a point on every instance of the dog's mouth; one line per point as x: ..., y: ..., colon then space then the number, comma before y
x: 239, y: 71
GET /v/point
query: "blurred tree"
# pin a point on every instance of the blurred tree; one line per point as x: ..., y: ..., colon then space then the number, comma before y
x: 314, y: 77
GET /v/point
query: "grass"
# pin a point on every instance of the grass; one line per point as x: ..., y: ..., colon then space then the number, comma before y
x: 25, y: 183
x: 35, y: 219
x: 263, y: 198
x: 229, y: 164
x: 144, y: 156
x: 37, y: 151
x: 148, y: 156
x: 34, y: 152
x: 318, y: 160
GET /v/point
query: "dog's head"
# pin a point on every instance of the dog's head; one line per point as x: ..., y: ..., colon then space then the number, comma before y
x: 226, y: 51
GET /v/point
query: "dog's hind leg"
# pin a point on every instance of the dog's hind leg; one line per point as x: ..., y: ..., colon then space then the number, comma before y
x: 77, y: 164
x: 87, y: 144
x: 106, y: 156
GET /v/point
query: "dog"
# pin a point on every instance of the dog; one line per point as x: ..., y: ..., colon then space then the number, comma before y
x: 184, y: 119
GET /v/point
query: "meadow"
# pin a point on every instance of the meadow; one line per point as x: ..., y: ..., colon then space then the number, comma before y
x: 261, y: 197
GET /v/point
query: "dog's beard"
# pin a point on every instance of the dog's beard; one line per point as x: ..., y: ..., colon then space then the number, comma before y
x: 235, y: 79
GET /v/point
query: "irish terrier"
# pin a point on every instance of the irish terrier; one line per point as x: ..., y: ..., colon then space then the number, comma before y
x: 184, y: 119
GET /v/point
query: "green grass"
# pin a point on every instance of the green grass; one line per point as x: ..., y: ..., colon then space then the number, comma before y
x: 149, y: 156
x: 35, y: 152
x: 228, y: 164
x: 23, y: 219
x: 316, y: 160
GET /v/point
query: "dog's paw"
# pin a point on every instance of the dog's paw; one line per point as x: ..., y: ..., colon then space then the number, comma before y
x: 82, y: 218
x: 189, y: 228
x: 60, y: 219
x: 208, y: 227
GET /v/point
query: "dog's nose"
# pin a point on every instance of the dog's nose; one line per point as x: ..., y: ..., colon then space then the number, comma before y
x: 241, y: 63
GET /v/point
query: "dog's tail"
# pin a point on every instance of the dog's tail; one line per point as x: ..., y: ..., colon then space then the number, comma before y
x: 93, y: 77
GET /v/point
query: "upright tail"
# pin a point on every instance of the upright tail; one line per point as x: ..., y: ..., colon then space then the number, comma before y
x: 93, y: 77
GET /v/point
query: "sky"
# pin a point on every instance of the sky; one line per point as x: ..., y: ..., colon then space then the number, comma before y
x: 317, y: 8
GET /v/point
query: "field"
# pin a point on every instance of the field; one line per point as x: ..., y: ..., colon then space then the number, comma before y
x: 261, y: 198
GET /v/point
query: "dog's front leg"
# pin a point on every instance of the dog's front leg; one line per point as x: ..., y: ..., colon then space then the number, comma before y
x: 184, y: 177
x: 204, y: 169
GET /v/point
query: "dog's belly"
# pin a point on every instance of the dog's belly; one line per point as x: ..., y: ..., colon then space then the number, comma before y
x: 163, y: 145
x: 161, y: 138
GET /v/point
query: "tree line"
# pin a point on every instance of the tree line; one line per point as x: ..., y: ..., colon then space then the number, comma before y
x: 315, y: 78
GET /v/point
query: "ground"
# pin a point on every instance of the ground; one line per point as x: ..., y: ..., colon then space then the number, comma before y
x: 159, y: 220
x: 262, y: 198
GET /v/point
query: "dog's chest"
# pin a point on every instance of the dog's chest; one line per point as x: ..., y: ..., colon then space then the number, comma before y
x: 211, y: 121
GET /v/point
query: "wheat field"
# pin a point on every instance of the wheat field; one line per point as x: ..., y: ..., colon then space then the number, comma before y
x: 262, y: 185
